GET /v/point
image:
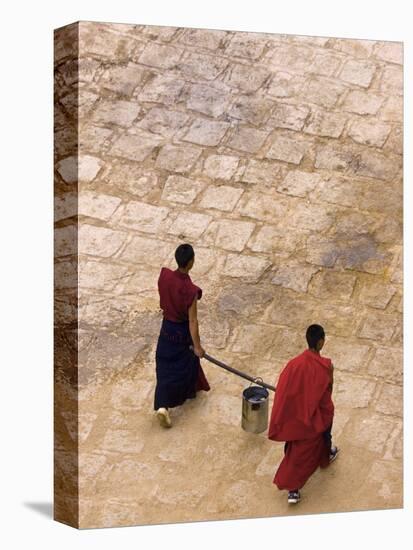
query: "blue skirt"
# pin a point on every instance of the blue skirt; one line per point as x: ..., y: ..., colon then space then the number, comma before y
x: 178, y: 370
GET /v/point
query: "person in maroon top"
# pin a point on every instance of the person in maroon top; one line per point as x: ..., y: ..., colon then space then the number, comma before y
x: 302, y: 416
x: 179, y: 375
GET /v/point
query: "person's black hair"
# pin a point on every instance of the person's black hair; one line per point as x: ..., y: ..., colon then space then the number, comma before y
x: 184, y: 254
x: 313, y: 335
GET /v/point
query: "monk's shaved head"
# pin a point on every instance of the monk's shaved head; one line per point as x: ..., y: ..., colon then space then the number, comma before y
x: 314, y: 334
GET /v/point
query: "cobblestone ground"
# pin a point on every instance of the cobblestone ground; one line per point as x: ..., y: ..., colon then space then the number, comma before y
x: 280, y: 159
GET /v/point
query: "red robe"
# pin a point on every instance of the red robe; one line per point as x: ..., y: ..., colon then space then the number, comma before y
x: 301, y: 412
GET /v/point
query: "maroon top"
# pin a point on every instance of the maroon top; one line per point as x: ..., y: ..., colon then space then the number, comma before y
x: 176, y: 293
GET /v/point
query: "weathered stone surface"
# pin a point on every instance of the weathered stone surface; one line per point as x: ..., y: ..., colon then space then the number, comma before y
x: 223, y: 198
x: 246, y: 267
x: 177, y: 158
x: 123, y: 79
x: 221, y: 166
x: 95, y: 139
x: 209, y: 99
x: 389, y: 51
x: 392, y: 110
x: 122, y: 113
x: 162, y: 89
x: 298, y: 183
x: 247, y: 139
x: 81, y: 168
x: 321, y: 123
x: 274, y: 239
x: 133, y: 179
x: 244, y: 300
x: 392, y: 80
x: 322, y: 91
x: 358, y: 72
x: 289, y: 116
x: 245, y: 77
x: 394, y: 142
x: 100, y: 276
x: 203, y: 38
x: 206, y: 132
x: 331, y: 285
x: 143, y: 250
x: 352, y: 392
x: 180, y: 189
x: 340, y: 190
x: 373, y: 432
x: 251, y: 110
x: 65, y: 240
x: 378, y: 326
x: 193, y: 65
x: 296, y: 277
x: 260, y: 336
x: 310, y: 216
x: 387, y: 363
x: 355, y: 48
x: 262, y: 172
x: 292, y: 57
x: 230, y: 234
x: 140, y: 216
x: 369, y: 133
x: 97, y: 205
x: 262, y: 207
x: 163, y: 121
x: 363, y: 102
x: 390, y: 400
x: 189, y: 225
x: 246, y: 45
x: 105, y: 43
x: 136, y: 146
x: 347, y: 355
x: 65, y: 274
x: 376, y: 294
x: 120, y: 441
x: 284, y: 84
x: 287, y: 150
x: 326, y: 64
x: 161, y: 56
x: 99, y: 241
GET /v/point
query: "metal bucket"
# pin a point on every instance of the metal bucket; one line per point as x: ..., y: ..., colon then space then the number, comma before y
x: 254, y: 409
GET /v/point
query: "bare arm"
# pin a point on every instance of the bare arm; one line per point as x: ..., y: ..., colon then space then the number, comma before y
x: 194, y: 329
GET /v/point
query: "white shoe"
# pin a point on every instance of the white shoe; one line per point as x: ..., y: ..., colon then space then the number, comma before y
x: 164, y: 418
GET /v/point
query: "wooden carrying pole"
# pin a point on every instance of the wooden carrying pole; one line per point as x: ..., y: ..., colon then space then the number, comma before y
x: 257, y: 381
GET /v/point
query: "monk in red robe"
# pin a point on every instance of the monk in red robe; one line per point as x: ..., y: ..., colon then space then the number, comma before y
x: 302, y: 416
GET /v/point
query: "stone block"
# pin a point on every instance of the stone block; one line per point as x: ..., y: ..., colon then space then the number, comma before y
x: 387, y: 363
x: 392, y: 52
x: 354, y: 48
x: 296, y: 277
x: 358, y: 72
x: 298, y: 183
x: 246, y: 267
x: 97, y: 205
x: 390, y: 400
x: 133, y: 179
x: 209, y: 99
x: 378, y: 326
x: 121, y: 113
x: 340, y: 190
x: 284, y: 84
x: 160, y: 56
x: 322, y: 91
x: 392, y: 110
x: 105, y: 43
x: 376, y: 294
x: 363, y: 102
x: 65, y: 275
x: 253, y: 110
x: 164, y: 122
x: 288, y: 150
x: 223, y: 198
x: 352, y: 392
x: 95, y: 139
x: 206, y: 132
x: 178, y: 158
x: 182, y: 190
x: 372, y: 432
x: 289, y: 116
x: 246, y: 78
x: 373, y: 164
x: 100, y: 276
x: 249, y: 140
x: 221, y: 166
x: 99, y: 241
x: 189, y: 225
x: 261, y: 172
x: 123, y: 79
x: 136, y: 146
x: 122, y: 441
x: 142, y: 250
x: 140, y: 216
x: 246, y: 45
x: 369, y: 132
x: 79, y: 168
x: 261, y: 207
x: 247, y: 337
x: 274, y: 239
x: 203, y: 38
x: 194, y: 66
x: 392, y: 81
x: 65, y: 240
x: 230, y: 234
x: 322, y: 251
x: 292, y: 57
x: 310, y: 216
x: 163, y: 89
x: 321, y: 123
x: 347, y: 355
x: 326, y: 64
x: 333, y: 285
x: 244, y: 299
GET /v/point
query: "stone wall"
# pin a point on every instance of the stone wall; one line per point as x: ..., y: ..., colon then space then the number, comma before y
x: 279, y: 158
